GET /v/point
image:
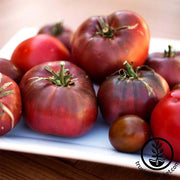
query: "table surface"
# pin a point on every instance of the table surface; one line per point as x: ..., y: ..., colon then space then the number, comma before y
x: 162, y: 17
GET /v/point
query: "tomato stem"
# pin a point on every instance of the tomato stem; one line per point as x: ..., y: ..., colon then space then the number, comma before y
x: 130, y: 71
x: 169, y: 53
x: 4, y: 86
x: 63, y: 78
x: 57, y: 29
x: 106, y: 31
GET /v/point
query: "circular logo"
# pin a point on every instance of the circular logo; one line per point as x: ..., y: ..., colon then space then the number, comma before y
x: 155, y: 149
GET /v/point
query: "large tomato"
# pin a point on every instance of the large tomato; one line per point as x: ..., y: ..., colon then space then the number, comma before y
x: 133, y: 92
x: 101, y: 44
x: 59, y: 99
x: 38, y: 49
x: 166, y: 64
x: 10, y: 104
x: 165, y: 122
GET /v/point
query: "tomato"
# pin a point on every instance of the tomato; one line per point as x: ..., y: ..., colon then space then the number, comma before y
x: 131, y: 92
x: 38, y: 49
x: 166, y: 64
x: 101, y: 44
x: 129, y: 133
x: 61, y: 32
x: 165, y: 122
x: 9, y: 69
x: 58, y: 100
x: 10, y: 104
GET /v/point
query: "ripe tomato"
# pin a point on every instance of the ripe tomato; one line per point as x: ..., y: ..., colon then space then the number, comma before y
x: 101, y: 44
x: 166, y: 64
x: 61, y: 32
x: 10, y: 104
x: 129, y: 133
x: 58, y: 101
x: 165, y: 122
x: 9, y: 69
x: 133, y: 92
x: 38, y: 49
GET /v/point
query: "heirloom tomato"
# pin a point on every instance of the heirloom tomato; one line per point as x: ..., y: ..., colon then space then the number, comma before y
x: 101, y: 44
x: 10, y: 104
x: 9, y: 69
x: 61, y: 32
x: 166, y: 64
x: 129, y: 133
x: 38, y: 49
x: 165, y: 122
x: 58, y: 99
x: 131, y: 92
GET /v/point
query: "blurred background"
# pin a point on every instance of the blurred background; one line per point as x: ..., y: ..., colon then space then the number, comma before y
x: 162, y: 16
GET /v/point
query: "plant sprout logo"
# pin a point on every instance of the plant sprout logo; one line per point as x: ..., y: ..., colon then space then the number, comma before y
x: 157, y: 160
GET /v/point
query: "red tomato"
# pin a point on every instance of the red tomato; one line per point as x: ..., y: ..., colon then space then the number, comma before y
x: 101, y: 44
x: 61, y: 32
x: 10, y: 104
x: 9, y: 69
x: 165, y: 122
x: 58, y: 101
x: 131, y: 93
x: 166, y: 64
x: 38, y: 49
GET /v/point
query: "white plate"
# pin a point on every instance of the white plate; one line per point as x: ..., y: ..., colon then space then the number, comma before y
x: 94, y: 146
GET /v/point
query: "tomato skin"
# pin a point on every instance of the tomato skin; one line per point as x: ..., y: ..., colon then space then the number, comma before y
x: 101, y: 56
x: 38, y: 49
x: 9, y: 69
x: 130, y: 96
x: 168, y: 67
x: 65, y: 111
x: 12, y: 102
x: 64, y: 35
x: 165, y: 122
x: 129, y: 133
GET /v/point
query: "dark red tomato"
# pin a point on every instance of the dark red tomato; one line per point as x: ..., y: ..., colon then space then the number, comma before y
x: 167, y: 65
x: 9, y: 69
x: 38, y: 49
x: 165, y: 122
x: 133, y: 92
x: 129, y: 133
x: 58, y: 99
x: 10, y: 104
x: 61, y: 32
x: 101, y: 44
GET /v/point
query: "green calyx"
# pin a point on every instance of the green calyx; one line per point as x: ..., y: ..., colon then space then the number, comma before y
x: 169, y: 53
x: 5, y: 93
x: 63, y: 78
x: 104, y: 30
x: 57, y: 29
x: 130, y: 72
